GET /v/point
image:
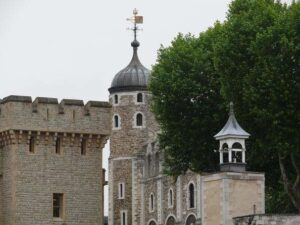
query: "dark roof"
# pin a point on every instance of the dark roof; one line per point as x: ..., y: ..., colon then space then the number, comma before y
x: 232, y: 127
x: 133, y: 77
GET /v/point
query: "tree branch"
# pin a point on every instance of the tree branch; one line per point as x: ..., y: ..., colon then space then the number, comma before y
x: 286, y: 183
x: 296, y: 183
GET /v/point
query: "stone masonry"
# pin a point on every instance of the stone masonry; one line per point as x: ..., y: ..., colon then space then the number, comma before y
x: 267, y: 219
x: 30, y: 177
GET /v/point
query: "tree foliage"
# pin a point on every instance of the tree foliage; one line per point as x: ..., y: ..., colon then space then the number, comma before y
x: 253, y: 59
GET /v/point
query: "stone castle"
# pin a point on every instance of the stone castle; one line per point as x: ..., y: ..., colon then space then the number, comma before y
x: 139, y: 192
x: 51, y: 161
x: 51, y: 164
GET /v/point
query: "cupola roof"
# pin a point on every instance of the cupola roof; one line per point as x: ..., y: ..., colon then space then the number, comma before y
x: 232, y: 127
x: 135, y: 76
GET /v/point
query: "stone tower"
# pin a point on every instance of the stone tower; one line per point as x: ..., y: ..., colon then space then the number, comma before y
x: 133, y: 125
x: 51, y: 161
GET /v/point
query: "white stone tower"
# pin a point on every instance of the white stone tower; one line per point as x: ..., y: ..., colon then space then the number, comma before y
x: 132, y: 126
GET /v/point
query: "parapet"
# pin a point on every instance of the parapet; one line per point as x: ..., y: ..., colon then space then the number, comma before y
x: 49, y: 115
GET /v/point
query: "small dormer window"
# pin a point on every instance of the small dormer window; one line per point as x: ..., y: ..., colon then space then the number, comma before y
x: 116, y: 99
x: 139, y: 120
x: 139, y: 97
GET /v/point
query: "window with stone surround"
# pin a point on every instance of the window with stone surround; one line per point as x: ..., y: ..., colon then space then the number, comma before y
x: 58, y: 205
x: 191, y: 196
x: 151, y: 203
x: 116, y: 99
x: 83, y: 146
x: 31, y: 144
x: 121, y: 190
x: 116, y: 122
x: 139, y: 120
x: 123, y: 217
x: 139, y: 98
x: 58, y: 145
x: 170, y: 198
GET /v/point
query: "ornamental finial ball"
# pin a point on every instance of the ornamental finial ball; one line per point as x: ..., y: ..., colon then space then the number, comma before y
x: 135, y: 12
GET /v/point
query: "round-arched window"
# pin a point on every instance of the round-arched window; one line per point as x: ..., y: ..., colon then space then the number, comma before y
x: 139, y: 119
x: 116, y: 121
x: 191, y: 220
x: 139, y: 97
x: 171, y: 221
x: 191, y: 196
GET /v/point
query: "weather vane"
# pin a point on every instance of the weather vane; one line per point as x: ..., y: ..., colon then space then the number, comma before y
x: 135, y: 19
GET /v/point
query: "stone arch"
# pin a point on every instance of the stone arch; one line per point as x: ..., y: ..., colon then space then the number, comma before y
x: 152, y: 222
x: 191, y: 219
x: 170, y: 220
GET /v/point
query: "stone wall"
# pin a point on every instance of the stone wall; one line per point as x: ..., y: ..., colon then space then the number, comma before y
x: 29, y: 179
x: 265, y: 219
x: 126, y: 143
x: 229, y: 194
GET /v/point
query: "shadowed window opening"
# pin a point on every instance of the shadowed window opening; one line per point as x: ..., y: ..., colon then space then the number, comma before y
x: 139, y: 119
x: 139, y: 97
x: 191, y: 196
x: 58, y: 205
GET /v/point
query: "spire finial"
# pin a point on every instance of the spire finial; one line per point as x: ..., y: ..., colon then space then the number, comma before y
x: 135, y: 19
x: 231, y: 110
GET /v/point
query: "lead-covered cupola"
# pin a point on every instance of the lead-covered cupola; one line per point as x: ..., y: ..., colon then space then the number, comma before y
x: 135, y: 76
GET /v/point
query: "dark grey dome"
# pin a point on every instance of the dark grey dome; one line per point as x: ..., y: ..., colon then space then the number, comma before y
x: 133, y: 77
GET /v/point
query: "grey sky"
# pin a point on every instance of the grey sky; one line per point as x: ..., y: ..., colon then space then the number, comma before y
x: 73, y: 48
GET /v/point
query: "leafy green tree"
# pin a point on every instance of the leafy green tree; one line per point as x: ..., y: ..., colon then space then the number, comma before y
x: 253, y: 60
x: 258, y: 60
x: 187, y: 102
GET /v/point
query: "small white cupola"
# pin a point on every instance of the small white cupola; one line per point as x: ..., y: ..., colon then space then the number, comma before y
x: 232, y: 147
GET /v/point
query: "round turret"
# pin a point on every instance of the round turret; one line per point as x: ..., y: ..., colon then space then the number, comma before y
x: 133, y: 77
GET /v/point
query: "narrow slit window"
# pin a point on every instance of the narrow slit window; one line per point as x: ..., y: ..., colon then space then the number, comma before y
x: 58, y: 201
x: 121, y: 190
x: 151, y: 202
x: 83, y: 146
x: 116, y: 99
x: 191, y: 196
x: 116, y: 121
x: 139, y: 120
x: 170, y: 198
x: 31, y: 145
x: 58, y: 145
x: 124, y: 218
x: 139, y: 97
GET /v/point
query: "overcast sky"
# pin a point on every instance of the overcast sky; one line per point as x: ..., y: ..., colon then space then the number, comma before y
x: 73, y: 48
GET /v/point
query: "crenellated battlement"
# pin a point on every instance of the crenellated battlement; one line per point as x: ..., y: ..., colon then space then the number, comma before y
x: 48, y: 115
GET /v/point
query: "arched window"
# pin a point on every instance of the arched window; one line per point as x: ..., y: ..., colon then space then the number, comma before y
x: 151, y: 203
x: 139, y: 97
x: 170, y: 198
x: 191, y: 196
x: 225, y: 153
x: 116, y: 121
x: 116, y: 99
x: 191, y: 220
x: 139, y: 119
x: 237, y: 152
x: 171, y: 221
x: 237, y: 145
x: 152, y: 223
